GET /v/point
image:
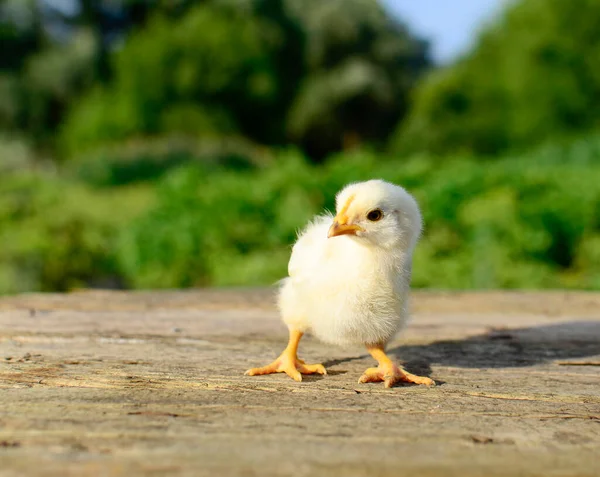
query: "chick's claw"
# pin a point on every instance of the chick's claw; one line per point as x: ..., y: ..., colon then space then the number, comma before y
x: 391, y: 375
x: 294, y: 368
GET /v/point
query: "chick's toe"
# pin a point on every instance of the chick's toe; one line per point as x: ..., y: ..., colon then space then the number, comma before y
x: 291, y: 366
x: 392, y: 375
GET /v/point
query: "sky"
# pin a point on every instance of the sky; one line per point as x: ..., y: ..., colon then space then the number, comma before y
x: 450, y: 25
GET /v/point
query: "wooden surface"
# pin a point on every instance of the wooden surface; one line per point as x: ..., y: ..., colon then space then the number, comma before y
x: 111, y: 383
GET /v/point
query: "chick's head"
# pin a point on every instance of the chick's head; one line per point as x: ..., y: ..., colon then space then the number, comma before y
x: 379, y: 212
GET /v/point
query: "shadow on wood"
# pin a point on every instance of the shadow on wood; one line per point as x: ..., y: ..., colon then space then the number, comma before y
x: 504, y: 348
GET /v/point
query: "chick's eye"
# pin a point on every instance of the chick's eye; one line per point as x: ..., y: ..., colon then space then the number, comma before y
x: 375, y: 215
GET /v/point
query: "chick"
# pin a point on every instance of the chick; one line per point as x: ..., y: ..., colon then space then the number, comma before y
x: 349, y: 280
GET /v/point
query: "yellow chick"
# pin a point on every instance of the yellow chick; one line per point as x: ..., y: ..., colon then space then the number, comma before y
x: 349, y: 280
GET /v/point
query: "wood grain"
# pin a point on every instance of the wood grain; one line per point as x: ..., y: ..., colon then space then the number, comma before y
x: 151, y: 383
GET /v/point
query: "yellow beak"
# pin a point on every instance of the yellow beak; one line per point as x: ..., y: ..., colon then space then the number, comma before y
x: 339, y: 228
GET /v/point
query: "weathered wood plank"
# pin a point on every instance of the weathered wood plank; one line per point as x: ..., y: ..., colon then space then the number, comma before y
x: 115, y: 383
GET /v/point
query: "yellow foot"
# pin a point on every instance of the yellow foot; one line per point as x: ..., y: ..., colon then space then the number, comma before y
x: 392, y: 374
x: 289, y: 365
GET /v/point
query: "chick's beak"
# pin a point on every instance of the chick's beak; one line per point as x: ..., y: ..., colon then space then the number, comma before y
x: 342, y: 228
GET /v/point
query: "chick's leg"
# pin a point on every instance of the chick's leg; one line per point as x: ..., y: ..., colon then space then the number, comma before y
x: 389, y: 372
x: 288, y: 361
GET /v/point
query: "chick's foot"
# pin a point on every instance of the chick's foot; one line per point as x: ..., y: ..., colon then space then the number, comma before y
x: 288, y: 361
x: 391, y: 374
x: 290, y: 365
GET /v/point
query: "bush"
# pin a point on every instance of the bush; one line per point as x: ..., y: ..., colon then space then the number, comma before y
x: 220, y: 229
x: 529, y: 221
x: 57, y: 235
x: 142, y: 161
x: 522, y: 222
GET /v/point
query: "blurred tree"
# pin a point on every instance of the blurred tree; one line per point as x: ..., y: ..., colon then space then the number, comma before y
x: 532, y: 76
x: 197, y: 76
x: 284, y: 39
x: 50, y: 81
x: 362, y: 64
x: 53, y: 51
x: 322, y: 75
x: 20, y: 36
x: 20, y: 32
x: 109, y: 21
x: 46, y: 66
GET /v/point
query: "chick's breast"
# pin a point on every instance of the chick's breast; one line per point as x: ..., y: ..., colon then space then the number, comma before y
x: 343, y: 291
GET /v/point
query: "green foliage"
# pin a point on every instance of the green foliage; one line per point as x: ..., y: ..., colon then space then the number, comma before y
x: 20, y: 33
x: 57, y: 236
x: 15, y: 154
x: 532, y: 77
x: 519, y: 222
x: 196, y: 76
x: 361, y: 65
x: 230, y: 227
x: 35, y: 98
x: 51, y: 81
x: 325, y: 76
x: 171, y: 107
x: 140, y: 161
x: 529, y: 221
